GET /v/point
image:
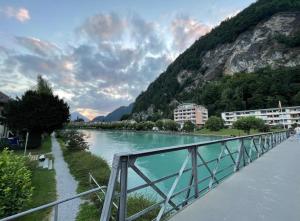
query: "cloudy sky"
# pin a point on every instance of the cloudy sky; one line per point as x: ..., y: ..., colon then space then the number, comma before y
x: 99, y: 54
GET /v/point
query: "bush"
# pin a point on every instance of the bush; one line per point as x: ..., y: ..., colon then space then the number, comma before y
x: 75, y: 140
x: 188, y: 126
x: 170, y: 125
x: 214, y: 123
x: 15, y: 183
x: 248, y: 123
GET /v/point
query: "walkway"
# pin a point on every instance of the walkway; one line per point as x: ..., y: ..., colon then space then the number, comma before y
x: 268, y: 189
x: 66, y: 185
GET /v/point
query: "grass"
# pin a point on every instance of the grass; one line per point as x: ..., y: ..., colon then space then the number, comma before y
x: 44, y: 183
x: 88, y: 212
x: 230, y: 132
x: 81, y: 163
x: 225, y: 132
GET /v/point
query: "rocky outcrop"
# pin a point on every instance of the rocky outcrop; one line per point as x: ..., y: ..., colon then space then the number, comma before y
x: 255, y: 49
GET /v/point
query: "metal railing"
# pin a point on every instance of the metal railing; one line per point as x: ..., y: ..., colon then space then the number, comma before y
x: 204, y: 166
x: 56, y: 204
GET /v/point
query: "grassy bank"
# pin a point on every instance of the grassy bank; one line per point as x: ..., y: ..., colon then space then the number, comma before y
x: 43, y: 181
x: 81, y: 163
x: 229, y: 132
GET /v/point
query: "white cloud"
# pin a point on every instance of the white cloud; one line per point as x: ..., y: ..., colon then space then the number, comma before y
x: 102, y: 72
x: 21, y: 14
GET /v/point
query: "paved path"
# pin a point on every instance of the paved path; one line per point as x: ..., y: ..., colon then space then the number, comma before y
x: 65, y: 184
x: 268, y: 189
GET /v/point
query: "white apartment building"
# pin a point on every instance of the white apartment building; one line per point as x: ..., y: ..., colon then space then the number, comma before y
x: 3, y: 128
x: 197, y: 114
x: 286, y: 116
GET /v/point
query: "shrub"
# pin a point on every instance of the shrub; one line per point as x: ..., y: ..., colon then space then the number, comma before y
x: 214, y: 123
x: 75, y: 140
x: 248, y: 123
x: 188, y: 126
x: 15, y: 183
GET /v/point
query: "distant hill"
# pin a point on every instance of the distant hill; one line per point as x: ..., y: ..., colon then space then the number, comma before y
x: 116, y: 114
x: 99, y: 119
x: 76, y: 115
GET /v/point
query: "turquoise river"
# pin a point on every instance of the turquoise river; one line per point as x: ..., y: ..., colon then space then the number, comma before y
x: 107, y: 143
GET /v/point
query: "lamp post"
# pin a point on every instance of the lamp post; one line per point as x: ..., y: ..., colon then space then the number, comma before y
x: 26, y: 141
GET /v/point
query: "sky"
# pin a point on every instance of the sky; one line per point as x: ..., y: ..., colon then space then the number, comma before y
x: 99, y: 54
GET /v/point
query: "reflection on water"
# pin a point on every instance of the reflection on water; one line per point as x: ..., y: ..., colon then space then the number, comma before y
x: 107, y: 143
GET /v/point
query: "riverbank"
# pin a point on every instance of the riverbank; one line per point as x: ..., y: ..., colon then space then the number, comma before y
x: 81, y: 163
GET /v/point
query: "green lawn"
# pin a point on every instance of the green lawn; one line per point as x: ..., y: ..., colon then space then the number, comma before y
x: 43, y: 181
x: 229, y: 132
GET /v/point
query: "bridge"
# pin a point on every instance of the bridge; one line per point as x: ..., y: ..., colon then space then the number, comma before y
x: 242, y: 178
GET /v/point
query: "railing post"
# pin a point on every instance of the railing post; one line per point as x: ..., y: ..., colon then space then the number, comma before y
x: 241, y: 154
x: 194, y: 170
x: 109, y: 196
x: 56, y: 212
x: 123, y: 193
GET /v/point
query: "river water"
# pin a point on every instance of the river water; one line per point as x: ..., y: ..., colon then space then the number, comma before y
x: 107, y: 143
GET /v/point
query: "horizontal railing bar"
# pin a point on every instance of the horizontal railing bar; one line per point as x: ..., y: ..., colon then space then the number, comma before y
x: 156, y: 181
x: 187, y: 146
x: 50, y: 204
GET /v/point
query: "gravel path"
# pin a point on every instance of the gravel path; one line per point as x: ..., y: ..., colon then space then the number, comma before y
x: 65, y: 185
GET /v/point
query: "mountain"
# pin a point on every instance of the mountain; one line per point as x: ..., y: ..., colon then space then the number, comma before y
x: 76, y: 115
x: 116, y: 114
x: 99, y: 119
x: 266, y: 35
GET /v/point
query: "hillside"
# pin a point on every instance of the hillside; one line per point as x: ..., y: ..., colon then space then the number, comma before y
x: 264, y: 35
x: 76, y: 115
x: 115, y: 115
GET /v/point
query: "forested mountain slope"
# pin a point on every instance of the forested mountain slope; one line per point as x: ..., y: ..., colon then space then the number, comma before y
x: 266, y: 35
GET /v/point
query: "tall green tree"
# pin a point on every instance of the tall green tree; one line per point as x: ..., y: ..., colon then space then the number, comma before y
x: 37, y: 112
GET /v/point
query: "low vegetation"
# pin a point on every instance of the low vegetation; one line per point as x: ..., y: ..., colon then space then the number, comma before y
x: 164, y: 124
x: 42, y: 182
x: 248, y: 123
x: 15, y: 183
x: 214, y: 123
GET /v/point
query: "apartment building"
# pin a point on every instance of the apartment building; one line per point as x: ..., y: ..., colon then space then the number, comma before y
x: 197, y: 114
x: 3, y: 128
x: 286, y: 116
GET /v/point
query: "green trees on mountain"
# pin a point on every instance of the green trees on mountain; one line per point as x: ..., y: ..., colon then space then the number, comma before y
x: 165, y: 88
x: 245, y: 91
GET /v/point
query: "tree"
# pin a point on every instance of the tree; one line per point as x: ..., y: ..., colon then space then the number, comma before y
x: 214, y: 123
x: 188, y: 126
x: 43, y: 86
x: 125, y: 117
x: 36, y: 112
x: 75, y: 140
x: 15, y: 183
x: 170, y: 125
x: 248, y: 123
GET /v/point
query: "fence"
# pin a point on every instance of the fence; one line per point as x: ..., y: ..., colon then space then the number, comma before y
x: 203, y: 170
